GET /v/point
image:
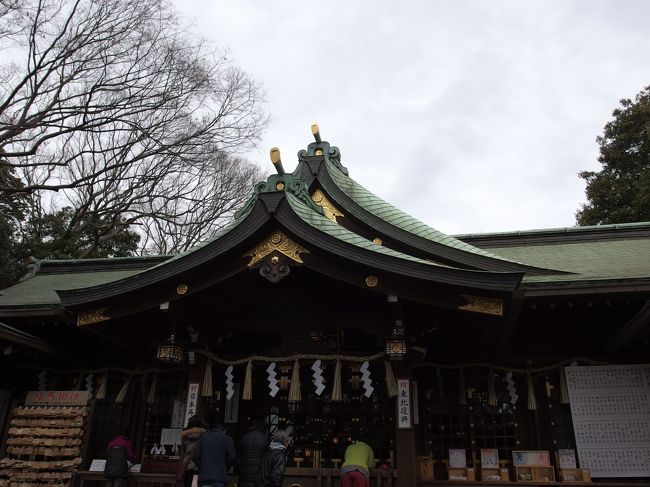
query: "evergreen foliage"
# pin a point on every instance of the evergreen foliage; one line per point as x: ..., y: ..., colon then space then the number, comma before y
x: 620, y: 191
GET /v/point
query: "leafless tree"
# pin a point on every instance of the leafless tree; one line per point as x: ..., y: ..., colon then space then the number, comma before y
x: 113, y: 108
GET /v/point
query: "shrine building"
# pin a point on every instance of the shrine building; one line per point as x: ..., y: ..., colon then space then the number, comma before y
x: 320, y: 308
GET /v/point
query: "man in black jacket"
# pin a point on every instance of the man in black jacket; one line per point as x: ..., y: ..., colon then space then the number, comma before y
x: 252, y: 446
x: 273, y: 462
x: 214, y: 455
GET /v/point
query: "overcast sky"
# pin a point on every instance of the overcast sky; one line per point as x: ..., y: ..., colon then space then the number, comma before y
x: 473, y: 116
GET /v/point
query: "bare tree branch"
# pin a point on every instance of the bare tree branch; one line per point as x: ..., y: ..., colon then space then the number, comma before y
x: 112, y: 108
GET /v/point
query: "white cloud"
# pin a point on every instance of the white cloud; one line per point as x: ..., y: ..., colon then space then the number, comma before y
x: 472, y: 116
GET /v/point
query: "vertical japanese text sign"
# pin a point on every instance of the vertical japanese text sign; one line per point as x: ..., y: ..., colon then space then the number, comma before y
x: 192, y: 398
x: 403, y: 404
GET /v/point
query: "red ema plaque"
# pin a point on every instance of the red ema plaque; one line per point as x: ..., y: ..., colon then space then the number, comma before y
x: 57, y: 398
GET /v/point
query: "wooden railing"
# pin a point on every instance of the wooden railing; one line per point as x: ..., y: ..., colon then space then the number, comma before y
x: 293, y: 477
x: 327, y: 477
x: 97, y: 479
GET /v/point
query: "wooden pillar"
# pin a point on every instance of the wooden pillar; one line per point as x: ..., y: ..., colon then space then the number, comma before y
x: 404, y: 438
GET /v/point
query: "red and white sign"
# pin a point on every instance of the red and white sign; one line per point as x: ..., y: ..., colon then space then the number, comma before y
x: 57, y: 398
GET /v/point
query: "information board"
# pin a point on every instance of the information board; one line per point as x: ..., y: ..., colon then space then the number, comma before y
x: 610, y: 408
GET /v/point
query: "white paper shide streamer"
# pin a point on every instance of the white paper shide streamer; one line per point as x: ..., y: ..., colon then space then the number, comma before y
x: 318, y: 377
x: 89, y: 383
x: 230, y: 390
x: 273, y: 379
x: 366, y: 380
x: 512, y: 390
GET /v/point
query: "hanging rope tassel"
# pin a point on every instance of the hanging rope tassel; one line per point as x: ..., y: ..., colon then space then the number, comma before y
x: 294, y: 390
x: 532, y: 402
x: 125, y: 388
x: 79, y: 382
x: 248, y: 382
x: 151, y: 397
x: 206, y: 391
x: 391, y: 383
x: 492, y: 395
x: 462, y: 391
x: 337, y: 394
x: 564, y: 390
x: 103, y: 384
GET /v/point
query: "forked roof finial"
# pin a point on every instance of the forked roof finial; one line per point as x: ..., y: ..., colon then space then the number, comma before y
x: 316, y: 131
x: 275, y: 159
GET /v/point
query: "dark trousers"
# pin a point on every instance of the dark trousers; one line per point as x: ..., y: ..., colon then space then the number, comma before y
x: 189, y: 476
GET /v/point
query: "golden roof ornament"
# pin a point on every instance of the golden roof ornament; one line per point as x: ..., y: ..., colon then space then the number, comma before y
x: 316, y: 131
x: 276, y: 160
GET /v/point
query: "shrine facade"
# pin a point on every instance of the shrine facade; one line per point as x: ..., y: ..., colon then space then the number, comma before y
x: 323, y: 309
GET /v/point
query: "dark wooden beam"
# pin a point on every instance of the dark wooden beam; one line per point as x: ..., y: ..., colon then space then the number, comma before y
x: 638, y: 324
x: 20, y: 338
x: 588, y: 288
x: 516, y: 306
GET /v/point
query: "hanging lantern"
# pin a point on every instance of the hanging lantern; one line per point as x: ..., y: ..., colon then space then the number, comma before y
x: 170, y: 352
x: 317, y: 336
x: 396, y: 344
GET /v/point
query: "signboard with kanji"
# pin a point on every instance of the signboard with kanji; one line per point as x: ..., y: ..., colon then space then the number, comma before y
x: 192, y: 399
x: 403, y: 404
x: 57, y: 398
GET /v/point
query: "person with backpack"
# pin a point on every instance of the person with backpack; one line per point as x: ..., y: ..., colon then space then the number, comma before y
x: 119, y: 452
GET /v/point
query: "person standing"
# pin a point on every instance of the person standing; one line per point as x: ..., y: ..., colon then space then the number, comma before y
x: 190, y: 437
x: 355, y: 471
x: 271, y: 471
x: 254, y: 442
x: 119, y: 452
x: 214, y: 455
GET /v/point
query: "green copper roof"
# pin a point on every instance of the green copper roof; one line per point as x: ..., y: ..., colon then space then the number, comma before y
x: 337, y: 231
x: 587, y: 229
x: 596, y: 260
x: 599, y: 252
x: 396, y: 217
x: 41, y: 289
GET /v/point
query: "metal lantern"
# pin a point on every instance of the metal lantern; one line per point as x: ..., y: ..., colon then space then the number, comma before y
x: 170, y: 352
x: 396, y: 345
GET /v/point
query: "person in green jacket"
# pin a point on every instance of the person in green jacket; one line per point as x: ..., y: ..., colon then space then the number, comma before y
x: 359, y: 459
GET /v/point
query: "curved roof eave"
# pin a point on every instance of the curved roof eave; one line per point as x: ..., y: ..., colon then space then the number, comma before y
x: 222, y: 241
x: 308, y: 226
x: 383, y: 217
x: 335, y: 239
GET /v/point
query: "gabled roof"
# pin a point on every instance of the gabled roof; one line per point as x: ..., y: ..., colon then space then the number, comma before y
x: 356, y: 229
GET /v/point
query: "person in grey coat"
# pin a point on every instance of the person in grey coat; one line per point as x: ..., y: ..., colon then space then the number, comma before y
x: 271, y: 472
